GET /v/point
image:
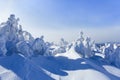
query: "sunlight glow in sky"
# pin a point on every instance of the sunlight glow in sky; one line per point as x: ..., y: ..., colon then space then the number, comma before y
x: 99, y: 19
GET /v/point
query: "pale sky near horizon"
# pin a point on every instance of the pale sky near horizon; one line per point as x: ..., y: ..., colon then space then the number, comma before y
x: 99, y: 19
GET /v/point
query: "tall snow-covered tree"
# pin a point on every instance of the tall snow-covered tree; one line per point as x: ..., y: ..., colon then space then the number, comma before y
x: 11, y: 34
x: 8, y: 32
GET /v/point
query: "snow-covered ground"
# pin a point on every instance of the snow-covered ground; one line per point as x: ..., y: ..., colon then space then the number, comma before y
x: 16, y: 67
x: 113, y: 70
x: 6, y: 74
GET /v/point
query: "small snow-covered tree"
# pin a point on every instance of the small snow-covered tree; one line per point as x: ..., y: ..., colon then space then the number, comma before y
x: 39, y: 46
x: 109, y: 52
x: 63, y: 43
x: 62, y: 46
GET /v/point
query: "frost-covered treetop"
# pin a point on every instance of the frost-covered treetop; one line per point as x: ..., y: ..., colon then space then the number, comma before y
x: 12, y: 20
x: 81, y: 36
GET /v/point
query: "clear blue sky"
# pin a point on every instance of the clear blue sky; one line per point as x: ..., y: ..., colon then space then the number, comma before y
x: 99, y: 19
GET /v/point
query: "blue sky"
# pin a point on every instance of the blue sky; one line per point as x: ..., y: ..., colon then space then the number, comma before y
x: 99, y: 19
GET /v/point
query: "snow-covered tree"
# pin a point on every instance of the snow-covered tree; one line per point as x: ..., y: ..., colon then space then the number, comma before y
x: 8, y: 33
x: 24, y: 48
x: 62, y: 46
x: 116, y: 57
x: 11, y: 34
x: 112, y: 54
x: 3, y: 49
x: 58, y: 48
x: 13, y: 39
x: 109, y: 52
x: 84, y: 46
x: 63, y: 43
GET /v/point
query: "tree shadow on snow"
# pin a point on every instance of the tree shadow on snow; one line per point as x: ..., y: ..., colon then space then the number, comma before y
x: 33, y: 69
x: 23, y: 68
x: 59, y: 65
